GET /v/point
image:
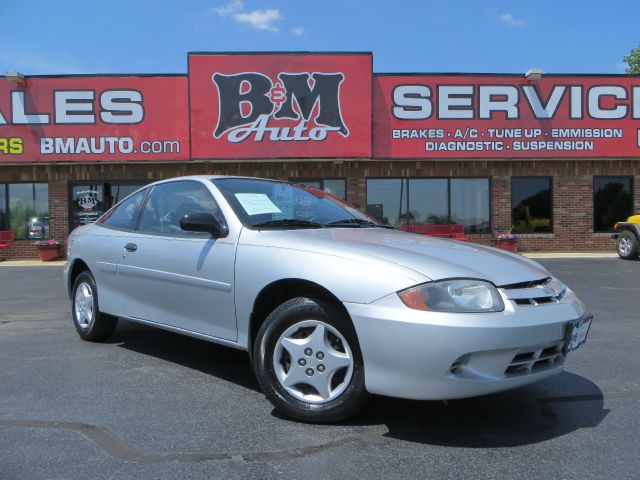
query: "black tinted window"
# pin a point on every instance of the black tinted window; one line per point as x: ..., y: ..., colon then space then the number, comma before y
x: 123, y: 215
x: 531, y: 204
x: 169, y: 202
x: 412, y: 202
x: 612, y: 201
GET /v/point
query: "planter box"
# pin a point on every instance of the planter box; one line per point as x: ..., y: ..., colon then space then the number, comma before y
x: 508, y: 246
x: 48, y: 254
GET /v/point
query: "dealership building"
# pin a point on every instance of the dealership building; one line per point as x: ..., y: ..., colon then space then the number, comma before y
x: 554, y: 158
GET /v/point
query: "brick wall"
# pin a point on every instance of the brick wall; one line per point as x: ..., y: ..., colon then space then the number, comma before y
x: 572, y: 188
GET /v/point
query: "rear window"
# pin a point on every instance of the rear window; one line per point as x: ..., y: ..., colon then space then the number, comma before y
x: 123, y: 215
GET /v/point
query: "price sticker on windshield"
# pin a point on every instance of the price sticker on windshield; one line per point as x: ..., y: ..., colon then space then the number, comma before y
x: 257, y: 203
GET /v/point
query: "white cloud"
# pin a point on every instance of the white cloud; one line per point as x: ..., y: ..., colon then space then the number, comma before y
x: 234, y: 6
x: 512, y: 21
x: 298, y: 30
x: 261, y: 19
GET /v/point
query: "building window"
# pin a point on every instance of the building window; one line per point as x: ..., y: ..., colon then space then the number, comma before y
x: 612, y: 201
x: 469, y: 200
x: 334, y: 186
x: 420, y: 201
x: 25, y: 209
x: 531, y: 205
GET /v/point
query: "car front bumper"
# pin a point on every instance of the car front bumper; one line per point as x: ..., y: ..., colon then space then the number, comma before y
x: 438, y: 356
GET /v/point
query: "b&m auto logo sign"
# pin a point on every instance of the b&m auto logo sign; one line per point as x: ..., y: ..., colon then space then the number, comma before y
x: 280, y: 106
x: 251, y: 103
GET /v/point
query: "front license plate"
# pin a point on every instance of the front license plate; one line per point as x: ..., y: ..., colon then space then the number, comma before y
x: 577, y: 334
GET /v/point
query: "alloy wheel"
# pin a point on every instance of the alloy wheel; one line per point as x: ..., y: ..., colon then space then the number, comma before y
x: 83, y: 305
x: 313, y: 361
x: 624, y: 246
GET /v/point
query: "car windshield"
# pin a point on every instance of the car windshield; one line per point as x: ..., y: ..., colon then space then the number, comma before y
x: 271, y: 204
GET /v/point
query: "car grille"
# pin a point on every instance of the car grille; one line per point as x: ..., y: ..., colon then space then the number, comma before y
x: 534, y: 361
x: 536, y: 301
x: 531, y: 294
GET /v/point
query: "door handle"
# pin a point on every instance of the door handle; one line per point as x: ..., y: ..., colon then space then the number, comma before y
x: 130, y: 247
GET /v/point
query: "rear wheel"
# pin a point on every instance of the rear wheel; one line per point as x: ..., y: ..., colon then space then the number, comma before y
x: 308, y: 362
x: 627, y: 246
x: 90, y: 324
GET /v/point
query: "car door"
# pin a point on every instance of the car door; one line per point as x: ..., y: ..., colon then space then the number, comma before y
x: 177, y: 278
x: 109, y: 233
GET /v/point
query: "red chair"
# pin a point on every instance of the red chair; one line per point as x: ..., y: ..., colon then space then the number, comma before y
x: 454, y: 231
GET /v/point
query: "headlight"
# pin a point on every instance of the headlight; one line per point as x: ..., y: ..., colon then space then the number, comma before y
x: 555, y: 288
x: 456, y: 295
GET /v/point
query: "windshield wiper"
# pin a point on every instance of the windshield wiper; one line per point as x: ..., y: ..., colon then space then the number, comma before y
x: 350, y: 222
x: 288, y: 222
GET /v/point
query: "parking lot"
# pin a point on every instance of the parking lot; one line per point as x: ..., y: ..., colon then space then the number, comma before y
x: 153, y: 404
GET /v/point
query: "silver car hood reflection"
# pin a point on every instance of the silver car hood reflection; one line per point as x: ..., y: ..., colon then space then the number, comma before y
x: 431, y: 257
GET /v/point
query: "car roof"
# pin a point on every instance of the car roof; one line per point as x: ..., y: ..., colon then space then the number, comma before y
x: 211, y: 177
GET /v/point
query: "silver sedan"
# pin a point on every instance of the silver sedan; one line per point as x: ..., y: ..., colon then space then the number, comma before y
x: 330, y: 304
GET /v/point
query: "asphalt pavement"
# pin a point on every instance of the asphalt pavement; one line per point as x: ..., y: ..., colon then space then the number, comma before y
x: 149, y: 404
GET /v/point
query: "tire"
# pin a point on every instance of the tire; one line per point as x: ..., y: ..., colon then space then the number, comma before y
x: 325, y: 353
x: 627, y: 246
x: 90, y: 324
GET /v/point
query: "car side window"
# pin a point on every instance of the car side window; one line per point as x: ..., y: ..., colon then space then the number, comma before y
x: 169, y: 202
x: 123, y: 215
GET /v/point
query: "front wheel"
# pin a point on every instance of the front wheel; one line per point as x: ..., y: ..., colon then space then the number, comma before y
x: 627, y: 246
x: 89, y: 322
x: 308, y: 362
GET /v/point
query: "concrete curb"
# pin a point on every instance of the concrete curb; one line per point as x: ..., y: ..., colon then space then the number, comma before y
x: 31, y: 263
x: 570, y: 255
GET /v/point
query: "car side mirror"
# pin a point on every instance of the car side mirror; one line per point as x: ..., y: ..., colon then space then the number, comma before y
x: 203, y: 222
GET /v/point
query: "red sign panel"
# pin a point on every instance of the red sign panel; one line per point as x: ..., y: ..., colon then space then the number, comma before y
x: 94, y: 119
x: 501, y: 116
x: 280, y: 105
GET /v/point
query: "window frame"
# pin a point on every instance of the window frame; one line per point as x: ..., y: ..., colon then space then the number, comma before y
x: 593, y: 200
x: 552, y: 206
x: 448, y: 179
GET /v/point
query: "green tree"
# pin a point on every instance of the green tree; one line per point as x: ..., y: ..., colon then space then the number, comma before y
x: 633, y: 61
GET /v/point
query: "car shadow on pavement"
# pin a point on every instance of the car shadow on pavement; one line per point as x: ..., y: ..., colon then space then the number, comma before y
x: 527, y: 415
x: 535, y: 413
x: 219, y: 361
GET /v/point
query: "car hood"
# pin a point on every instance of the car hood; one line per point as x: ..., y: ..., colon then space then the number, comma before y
x: 429, y: 256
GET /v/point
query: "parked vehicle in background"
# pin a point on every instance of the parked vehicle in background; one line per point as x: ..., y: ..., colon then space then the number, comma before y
x: 329, y: 303
x: 628, y: 237
x: 38, y: 228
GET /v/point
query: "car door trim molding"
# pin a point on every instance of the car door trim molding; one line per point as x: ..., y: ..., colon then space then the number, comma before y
x: 108, y: 267
x: 132, y: 271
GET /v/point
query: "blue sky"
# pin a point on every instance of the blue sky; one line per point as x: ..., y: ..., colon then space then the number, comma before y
x: 143, y: 36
